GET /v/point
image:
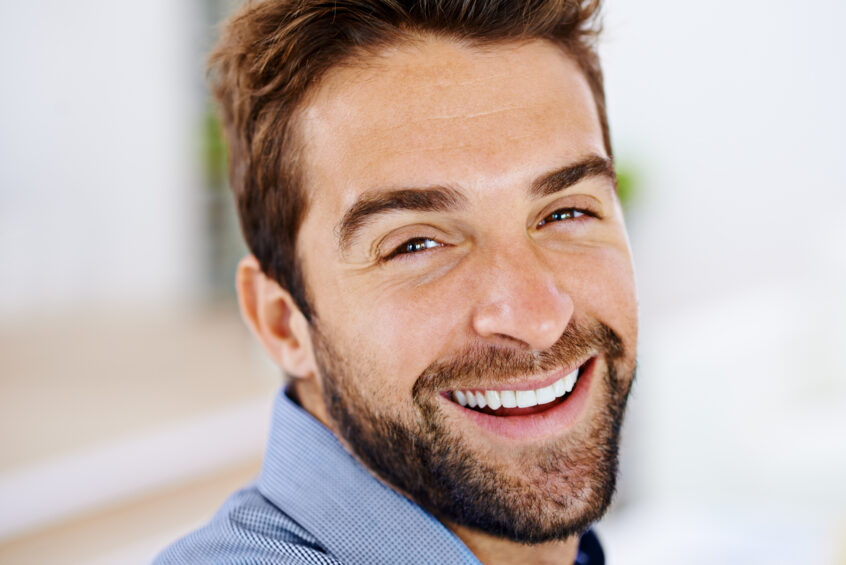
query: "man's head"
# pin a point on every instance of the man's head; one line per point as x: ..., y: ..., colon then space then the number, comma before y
x: 428, y: 192
x: 272, y: 54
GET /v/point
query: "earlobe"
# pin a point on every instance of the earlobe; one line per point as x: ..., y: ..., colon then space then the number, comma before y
x: 274, y: 318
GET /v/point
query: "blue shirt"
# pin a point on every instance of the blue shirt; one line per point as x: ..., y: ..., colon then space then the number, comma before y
x: 314, y: 503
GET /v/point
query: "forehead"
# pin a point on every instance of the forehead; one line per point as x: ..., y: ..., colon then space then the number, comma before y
x: 437, y: 112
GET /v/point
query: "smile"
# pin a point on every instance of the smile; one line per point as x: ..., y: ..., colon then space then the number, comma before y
x: 531, y: 410
x: 497, y: 399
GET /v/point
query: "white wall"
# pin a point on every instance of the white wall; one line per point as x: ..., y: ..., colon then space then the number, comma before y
x: 735, y: 114
x: 97, y: 181
x: 732, y: 115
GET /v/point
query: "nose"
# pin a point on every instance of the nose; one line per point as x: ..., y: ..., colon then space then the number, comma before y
x: 520, y: 300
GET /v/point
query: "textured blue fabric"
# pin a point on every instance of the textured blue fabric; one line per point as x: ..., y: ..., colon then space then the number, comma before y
x: 315, y: 504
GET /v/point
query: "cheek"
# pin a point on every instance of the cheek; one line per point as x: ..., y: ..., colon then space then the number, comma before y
x: 415, y: 328
x: 602, y: 286
x: 391, y: 334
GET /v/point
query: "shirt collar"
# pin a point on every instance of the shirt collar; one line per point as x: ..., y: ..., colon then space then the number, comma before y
x: 355, y: 517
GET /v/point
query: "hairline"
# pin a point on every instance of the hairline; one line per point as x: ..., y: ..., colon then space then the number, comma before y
x: 360, y: 58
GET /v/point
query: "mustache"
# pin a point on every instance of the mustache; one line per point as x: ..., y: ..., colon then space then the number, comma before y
x: 484, y: 363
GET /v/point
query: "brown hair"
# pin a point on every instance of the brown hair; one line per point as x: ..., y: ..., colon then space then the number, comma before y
x: 271, y: 53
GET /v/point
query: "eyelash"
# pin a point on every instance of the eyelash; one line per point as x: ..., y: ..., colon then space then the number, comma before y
x: 402, y: 249
x: 573, y: 213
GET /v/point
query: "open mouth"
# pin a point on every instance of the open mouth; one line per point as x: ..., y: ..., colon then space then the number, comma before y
x: 520, y: 402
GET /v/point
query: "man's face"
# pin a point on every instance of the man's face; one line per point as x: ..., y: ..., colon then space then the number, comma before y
x: 464, y: 234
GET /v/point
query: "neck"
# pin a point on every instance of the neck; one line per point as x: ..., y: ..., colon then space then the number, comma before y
x: 497, y: 551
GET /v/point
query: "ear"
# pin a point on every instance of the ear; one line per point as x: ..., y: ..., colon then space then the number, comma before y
x: 276, y: 321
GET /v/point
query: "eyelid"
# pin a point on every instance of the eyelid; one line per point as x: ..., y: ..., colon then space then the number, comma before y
x: 582, y: 211
x: 543, y: 221
x: 397, y: 236
x: 397, y: 253
x: 386, y: 247
x: 588, y: 205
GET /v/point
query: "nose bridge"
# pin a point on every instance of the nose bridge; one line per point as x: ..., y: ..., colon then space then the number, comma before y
x: 520, y: 297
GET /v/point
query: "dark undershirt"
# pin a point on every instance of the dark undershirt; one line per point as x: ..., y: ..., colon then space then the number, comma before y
x: 590, y: 551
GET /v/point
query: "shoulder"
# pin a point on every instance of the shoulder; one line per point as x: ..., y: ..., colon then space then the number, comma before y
x: 248, y: 529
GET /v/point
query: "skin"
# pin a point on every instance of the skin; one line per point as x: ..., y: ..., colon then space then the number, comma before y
x: 486, y: 122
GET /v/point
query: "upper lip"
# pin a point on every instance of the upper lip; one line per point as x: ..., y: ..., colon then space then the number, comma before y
x: 531, y: 382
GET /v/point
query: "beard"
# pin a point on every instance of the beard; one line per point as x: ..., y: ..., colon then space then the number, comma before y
x: 539, y: 493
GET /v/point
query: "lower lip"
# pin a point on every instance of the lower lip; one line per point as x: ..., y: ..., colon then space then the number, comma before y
x: 542, y: 424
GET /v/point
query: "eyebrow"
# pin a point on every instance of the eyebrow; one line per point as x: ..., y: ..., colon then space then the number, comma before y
x: 373, y: 203
x: 565, y: 177
x: 443, y: 198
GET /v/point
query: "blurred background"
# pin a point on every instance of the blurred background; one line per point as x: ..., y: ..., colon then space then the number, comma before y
x: 133, y: 400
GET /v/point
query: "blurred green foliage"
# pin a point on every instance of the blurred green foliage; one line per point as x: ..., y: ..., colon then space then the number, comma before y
x: 626, y: 185
x: 214, y: 151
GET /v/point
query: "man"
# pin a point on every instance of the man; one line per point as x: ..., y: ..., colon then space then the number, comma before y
x: 440, y: 264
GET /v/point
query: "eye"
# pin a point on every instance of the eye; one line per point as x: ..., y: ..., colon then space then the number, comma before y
x: 564, y: 214
x: 415, y: 245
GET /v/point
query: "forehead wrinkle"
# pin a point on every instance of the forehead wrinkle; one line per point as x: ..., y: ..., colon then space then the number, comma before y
x: 452, y: 117
x: 418, y: 142
x: 427, y: 78
x: 373, y: 161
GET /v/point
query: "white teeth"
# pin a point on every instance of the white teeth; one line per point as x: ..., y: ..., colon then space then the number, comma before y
x: 545, y: 395
x: 570, y: 380
x: 559, y: 388
x: 492, y: 397
x: 526, y: 399
x: 495, y: 399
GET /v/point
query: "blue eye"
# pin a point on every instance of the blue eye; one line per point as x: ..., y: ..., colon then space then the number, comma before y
x: 561, y: 215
